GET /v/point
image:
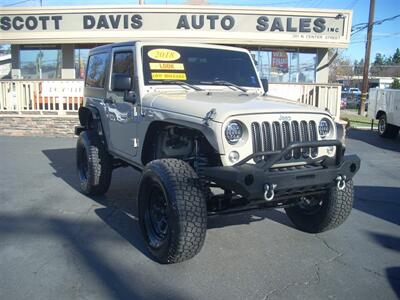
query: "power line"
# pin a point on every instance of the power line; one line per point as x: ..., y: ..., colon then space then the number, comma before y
x: 361, y: 26
x: 17, y: 3
x: 376, y: 38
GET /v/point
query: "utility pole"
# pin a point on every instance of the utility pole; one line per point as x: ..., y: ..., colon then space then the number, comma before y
x: 364, y: 89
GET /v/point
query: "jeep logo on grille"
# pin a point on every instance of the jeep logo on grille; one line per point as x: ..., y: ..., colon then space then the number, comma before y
x: 285, y: 118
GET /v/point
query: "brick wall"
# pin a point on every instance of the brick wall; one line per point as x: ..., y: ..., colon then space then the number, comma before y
x: 52, y: 126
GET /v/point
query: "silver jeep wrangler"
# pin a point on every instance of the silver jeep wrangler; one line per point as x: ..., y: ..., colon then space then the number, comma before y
x: 197, y: 122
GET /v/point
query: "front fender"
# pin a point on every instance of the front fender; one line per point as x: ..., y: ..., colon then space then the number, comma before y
x: 208, y: 133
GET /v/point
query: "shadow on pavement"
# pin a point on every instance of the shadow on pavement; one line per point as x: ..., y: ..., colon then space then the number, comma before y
x: 85, y: 240
x: 125, y: 225
x: 391, y: 243
x: 118, y: 201
x: 372, y: 138
x: 120, y: 204
x: 249, y: 217
x: 378, y: 201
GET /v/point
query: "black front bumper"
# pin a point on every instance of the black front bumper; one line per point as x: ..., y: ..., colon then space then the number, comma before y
x: 249, y: 180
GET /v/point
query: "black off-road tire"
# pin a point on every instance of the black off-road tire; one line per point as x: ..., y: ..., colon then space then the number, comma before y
x: 335, y: 207
x: 94, y: 164
x: 185, y: 210
x: 387, y: 130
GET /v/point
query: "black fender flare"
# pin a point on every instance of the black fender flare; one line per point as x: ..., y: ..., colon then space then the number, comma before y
x: 206, y: 131
x: 89, y: 118
x: 88, y: 114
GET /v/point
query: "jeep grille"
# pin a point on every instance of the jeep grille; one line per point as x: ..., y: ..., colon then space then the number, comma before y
x: 276, y: 136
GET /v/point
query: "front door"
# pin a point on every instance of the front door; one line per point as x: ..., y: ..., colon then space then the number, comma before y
x: 122, y: 116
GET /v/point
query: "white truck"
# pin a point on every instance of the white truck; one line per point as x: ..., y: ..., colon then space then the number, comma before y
x: 384, y: 105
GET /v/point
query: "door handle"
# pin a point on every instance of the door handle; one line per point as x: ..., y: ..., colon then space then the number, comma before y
x: 109, y: 101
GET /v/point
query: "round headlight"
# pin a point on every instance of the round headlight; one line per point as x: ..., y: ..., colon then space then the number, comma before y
x: 324, y: 128
x: 233, y: 132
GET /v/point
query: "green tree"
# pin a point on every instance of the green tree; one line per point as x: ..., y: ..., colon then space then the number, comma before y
x: 358, y: 67
x: 396, y: 57
x: 379, y: 59
x: 395, y: 84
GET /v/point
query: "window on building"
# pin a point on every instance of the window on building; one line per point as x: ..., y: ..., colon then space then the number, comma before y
x: 95, y: 75
x: 40, y: 63
x: 81, y: 55
x: 285, y: 65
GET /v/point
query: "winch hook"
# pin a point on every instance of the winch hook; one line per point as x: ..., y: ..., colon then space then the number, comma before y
x: 341, y: 182
x: 269, y: 191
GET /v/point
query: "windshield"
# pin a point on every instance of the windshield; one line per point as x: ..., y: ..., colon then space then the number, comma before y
x: 196, y: 65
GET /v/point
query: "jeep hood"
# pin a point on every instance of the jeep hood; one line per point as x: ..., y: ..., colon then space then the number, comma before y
x: 226, y: 104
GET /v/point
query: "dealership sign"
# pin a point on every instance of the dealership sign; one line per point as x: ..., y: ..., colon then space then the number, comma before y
x: 233, y: 25
x: 280, y: 60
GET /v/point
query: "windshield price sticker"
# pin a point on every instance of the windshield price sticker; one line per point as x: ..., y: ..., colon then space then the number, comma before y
x: 168, y: 76
x: 167, y: 66
x: 164, y: 54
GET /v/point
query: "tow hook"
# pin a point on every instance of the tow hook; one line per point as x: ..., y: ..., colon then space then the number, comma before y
x: 269, y: 191
x: 341, y: 182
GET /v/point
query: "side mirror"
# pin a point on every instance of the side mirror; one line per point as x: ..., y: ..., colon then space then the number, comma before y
x: 121, y: 82
x: 264, y: 83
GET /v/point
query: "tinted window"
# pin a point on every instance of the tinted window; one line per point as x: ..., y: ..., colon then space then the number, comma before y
x: 123, y: 63
x: 196, y: 65
x: 95, y: 74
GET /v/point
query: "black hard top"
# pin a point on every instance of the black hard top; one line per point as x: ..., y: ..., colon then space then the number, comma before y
x: 108, y: 47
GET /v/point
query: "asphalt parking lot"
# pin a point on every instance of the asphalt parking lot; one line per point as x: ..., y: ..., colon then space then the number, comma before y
x: 56, y: 243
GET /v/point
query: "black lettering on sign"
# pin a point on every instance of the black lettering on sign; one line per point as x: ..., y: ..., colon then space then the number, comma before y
x: 198, y: 25
x: 126, y: 21
x: 102, y: 23
x: 114, y: 20
x: 277, y: 25
x: 262, y: 23
x: 16, y: 23
x: 31, y: 23
x: 305, y: 25
x: 319, y: 25
x: 56, y: 20
x: 183, y: 22
x: 289, y: 26
x: 5, y: 23
x: 227, y: 22
x: 88, y: 22
x: 44, y: 20
x: 212, y: 19
x: 199, y: 22
x: 136, y: 21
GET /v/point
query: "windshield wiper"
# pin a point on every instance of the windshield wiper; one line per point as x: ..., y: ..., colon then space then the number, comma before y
x: 225, y: 83
x: 177, y: 82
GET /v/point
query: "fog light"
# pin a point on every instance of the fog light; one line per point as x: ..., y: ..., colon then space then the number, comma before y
x: 233, y: 156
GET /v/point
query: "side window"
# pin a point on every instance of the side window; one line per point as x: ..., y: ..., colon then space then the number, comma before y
x: 123, y: 63
x: 96, y: 69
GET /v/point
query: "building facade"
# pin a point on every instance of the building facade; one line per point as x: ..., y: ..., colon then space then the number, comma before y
x: 288, y: 45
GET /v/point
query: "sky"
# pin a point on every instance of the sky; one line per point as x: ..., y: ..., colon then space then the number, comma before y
x: 386, y: 37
